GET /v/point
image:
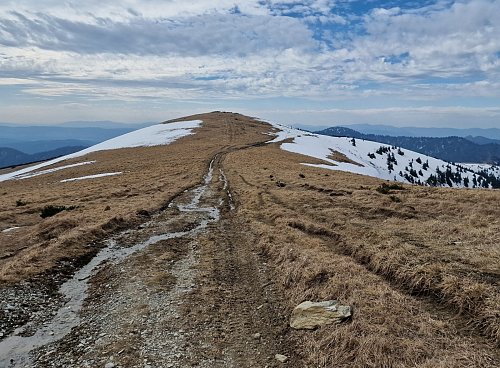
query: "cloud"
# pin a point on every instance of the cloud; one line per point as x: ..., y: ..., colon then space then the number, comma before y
x: 15, y: 81
x: 227, y: 34
x: 458, y: 40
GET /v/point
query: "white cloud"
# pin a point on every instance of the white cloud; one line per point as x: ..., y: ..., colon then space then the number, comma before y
x: 227, y: 34
x: 455, y: 41
x: 15, y: 81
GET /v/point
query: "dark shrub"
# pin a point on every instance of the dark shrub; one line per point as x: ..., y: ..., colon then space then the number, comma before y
x: 51, y: 210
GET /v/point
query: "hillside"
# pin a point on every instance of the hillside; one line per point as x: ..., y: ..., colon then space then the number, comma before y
x: 385, y: 161
x: 32, y: 147
x: 12, y: 157
x: 10, y: 133
x: 451, y: 149
x: 481, y: 140
x: 190, y: 243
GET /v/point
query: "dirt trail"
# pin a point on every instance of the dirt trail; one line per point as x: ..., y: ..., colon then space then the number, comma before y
x: 183, y: 290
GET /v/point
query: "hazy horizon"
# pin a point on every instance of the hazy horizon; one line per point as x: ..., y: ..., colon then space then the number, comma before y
x: 308, y: 126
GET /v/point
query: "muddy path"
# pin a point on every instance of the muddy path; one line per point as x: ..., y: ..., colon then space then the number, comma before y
x: 182, y: 290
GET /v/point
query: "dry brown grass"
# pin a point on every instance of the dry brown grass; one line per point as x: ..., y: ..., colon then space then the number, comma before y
x: 340, y: 157
x: 151, y: 176
x: 422, y: 274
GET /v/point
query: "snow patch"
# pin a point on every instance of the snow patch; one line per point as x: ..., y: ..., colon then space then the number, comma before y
x: 91, y: 176
x: 10, y: 229
x: 37, y: 173
x: 491, y: 169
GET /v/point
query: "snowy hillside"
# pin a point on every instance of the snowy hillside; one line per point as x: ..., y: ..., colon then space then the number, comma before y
x: 155, y: 135
x: 384, y: 161
x: 485, y: 168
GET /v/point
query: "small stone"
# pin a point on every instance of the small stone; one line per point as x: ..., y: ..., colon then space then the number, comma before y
x: 281, y: 358
x: 109, y: 365
x: 256, y: 336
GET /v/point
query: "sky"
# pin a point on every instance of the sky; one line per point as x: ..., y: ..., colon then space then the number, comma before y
x: 433, y: 63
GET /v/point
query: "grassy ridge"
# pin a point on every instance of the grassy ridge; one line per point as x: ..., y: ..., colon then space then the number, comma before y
x: 421, y: 273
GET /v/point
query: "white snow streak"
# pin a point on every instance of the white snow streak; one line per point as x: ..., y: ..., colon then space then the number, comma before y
x: 37, y: 173
x: 91, y: 176
x: 10, y: 229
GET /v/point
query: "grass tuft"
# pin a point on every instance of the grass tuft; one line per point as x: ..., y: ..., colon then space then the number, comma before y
x: 385, y: 188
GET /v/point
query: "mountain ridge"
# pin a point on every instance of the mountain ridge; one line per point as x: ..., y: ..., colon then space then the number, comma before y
x: 10, y: 157
x: 381, y: 129
x: 451, y: 149
x: 36, y: 143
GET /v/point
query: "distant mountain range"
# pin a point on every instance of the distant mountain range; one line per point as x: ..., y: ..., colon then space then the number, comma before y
x: 451, y: 148
x: 491, y: 133
x: 32, y: 147
x: 20, y: 144
x: 482, y: 140
x: 12, y: 157
x: 11, y: 134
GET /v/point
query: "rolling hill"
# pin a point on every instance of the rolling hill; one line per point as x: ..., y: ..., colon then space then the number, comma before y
x: 380, y: 129
x: 386, y: 161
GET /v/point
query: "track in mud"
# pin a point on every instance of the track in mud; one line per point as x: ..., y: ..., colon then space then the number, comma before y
x: 186, y: 217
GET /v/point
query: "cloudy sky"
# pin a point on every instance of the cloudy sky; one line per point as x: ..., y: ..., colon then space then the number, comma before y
x: 318, y: 62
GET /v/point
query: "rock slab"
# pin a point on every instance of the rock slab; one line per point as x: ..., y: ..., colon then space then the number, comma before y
x: 281, y: 358
x: 310, y: 315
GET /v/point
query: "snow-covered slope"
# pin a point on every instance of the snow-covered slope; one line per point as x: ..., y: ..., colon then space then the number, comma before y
x: 383, y: 161
x: 484, y: 168
x: 155, y: 135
